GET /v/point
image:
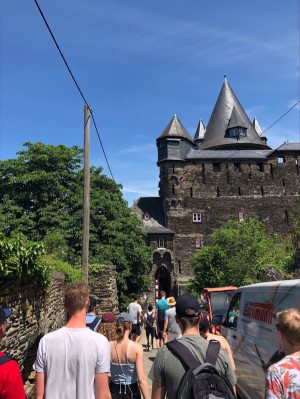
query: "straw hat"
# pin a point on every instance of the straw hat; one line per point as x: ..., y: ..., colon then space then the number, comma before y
x: 171, y: 301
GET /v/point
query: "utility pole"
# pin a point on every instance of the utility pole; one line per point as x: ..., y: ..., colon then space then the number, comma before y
x: 86, y: 196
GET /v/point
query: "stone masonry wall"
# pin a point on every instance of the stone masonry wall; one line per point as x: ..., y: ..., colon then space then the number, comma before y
x: 36, y: 311
x: 103, y: 287
x: 228, y: 190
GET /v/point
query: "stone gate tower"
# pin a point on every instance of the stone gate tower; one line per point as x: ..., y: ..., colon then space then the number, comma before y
x: 227, y: 172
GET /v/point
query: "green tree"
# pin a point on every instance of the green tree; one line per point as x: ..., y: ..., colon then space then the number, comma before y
x: 238, y: 254
x: 43, y: 199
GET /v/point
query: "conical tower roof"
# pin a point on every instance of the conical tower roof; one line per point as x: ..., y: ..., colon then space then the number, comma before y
x: 257, y: 127
x: 200, y: 132
x: 175, y: 129
x: 222, y: 117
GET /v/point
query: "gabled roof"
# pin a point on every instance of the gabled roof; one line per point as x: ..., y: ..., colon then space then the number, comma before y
x: 175, y: 129
x: 235, y: 119
x: 156, y: 221
x: 219, y: 122
x: 200, y: 131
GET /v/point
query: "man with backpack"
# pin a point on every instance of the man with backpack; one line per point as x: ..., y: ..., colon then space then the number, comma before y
x: 149, y: 319
x: 11, y: 384
x: 177, y: 372
x: 160, y: 310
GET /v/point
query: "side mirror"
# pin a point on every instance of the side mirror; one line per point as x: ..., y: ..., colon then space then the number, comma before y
x: 217, y: 320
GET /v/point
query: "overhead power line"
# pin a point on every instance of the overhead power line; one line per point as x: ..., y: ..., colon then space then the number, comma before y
x: 282, y: 116
x: 76, y: 84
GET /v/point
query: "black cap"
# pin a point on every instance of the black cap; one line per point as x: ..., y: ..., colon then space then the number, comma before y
x: 4, y: 314
x: 187, y: 306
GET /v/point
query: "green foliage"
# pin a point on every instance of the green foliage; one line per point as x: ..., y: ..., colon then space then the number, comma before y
x: 72, y: 274
x: 238, y: 254
x: 20, y: 258
x: 43, y: 199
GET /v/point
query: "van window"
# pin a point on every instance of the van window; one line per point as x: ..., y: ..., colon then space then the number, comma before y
x: 233, y: 311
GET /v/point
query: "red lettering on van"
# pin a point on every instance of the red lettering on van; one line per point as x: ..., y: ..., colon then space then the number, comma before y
x: 259, y: 311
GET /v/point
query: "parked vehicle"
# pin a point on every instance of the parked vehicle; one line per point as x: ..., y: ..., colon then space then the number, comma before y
x: 250, y: 328
x: 216, y: 301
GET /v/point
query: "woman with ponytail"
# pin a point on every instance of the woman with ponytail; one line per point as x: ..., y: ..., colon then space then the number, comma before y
x: 128, y: 379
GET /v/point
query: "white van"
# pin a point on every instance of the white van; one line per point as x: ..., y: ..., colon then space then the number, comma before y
x: 250, y: 328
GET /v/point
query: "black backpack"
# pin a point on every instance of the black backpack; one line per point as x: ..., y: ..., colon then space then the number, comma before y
x: 93, y: 324
x: 201, y: 381
x: 149, y: 320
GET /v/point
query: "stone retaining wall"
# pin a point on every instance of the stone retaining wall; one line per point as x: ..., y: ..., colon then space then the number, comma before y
x: 37, y: 311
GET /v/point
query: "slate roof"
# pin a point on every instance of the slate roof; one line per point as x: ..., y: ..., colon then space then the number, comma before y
x: 154, y: 207
x: 228, y: 154
x: 288, y: 147
x: 257, y: 127
x: 175, y: 129
x: 215, y: 131
x: 200, y: 132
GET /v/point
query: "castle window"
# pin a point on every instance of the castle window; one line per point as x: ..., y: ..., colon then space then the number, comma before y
x: 191, y: 192
x: 199, y: 242
x: 197, y: 217
x: 146, y: 216
x: 286, y: 217
x: 173, y: 143
x: 173, y: 189
x: 161, y: 242
x: 260, y: 166
x: 179, y: 267
x: 241, y: 216
x: 236, y: 132
x: 237, y: 166
x: 216, y: 167
x: 281, y: 160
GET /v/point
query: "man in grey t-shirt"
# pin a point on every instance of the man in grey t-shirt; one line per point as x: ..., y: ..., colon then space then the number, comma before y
x: 135, y: 310
x: 167, y: 370
x: 73, y: 362
x: 171, y: 328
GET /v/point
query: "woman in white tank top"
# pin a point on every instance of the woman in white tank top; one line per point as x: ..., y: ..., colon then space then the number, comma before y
x: 128, y: 378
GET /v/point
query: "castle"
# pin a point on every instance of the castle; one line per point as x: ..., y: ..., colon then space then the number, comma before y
x: 227, y: 172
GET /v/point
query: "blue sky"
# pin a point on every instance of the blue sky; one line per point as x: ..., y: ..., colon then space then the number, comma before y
x: 138, y: 63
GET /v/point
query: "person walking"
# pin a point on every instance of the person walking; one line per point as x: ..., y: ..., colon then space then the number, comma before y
x: 92, y: 321
x: 11, y: 384
x: 73, y: 362
x: 167, y: 370
x: 204, y: 332
x: 160, y: 309
x: 283, y: 377
x: 128, y: 378
x: 149, y: 323
x: 135, y: 310
x: 171, y: 328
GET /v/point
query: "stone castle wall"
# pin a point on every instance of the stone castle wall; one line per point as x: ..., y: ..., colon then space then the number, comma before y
x: 220, y: 191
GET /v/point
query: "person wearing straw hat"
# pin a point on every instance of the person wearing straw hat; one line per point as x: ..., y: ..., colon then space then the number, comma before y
x: 171, y: 328
x: 11, y: 384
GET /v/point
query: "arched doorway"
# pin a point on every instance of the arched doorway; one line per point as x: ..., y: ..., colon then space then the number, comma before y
x: 162, y: 282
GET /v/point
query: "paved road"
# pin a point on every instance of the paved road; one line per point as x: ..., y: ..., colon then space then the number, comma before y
x: 149, y: 356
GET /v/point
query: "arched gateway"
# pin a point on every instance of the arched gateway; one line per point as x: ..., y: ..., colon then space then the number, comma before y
x: 162, y: 281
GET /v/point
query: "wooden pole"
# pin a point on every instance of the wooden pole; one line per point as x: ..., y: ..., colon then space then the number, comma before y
x: 86, y: 197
